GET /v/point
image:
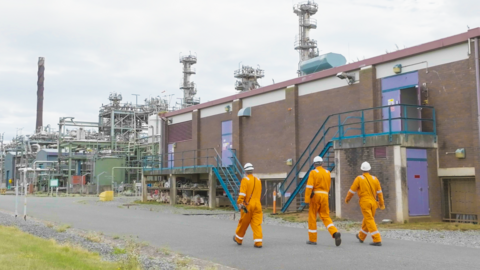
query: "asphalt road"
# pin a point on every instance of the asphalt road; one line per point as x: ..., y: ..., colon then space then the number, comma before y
x: 211, y: 239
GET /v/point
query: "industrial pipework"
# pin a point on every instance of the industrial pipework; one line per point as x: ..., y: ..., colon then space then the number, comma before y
x: 307, y: 48
x: 189, y: 88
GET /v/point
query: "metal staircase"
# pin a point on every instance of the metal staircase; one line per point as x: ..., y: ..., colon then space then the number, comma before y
x: 353, y: 124
x: 229, y: 177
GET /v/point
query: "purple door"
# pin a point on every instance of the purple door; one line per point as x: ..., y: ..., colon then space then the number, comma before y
x: 417, y: 181
x: 391, y: 98
x: 226, y: 143
x: 171, y: 157
x: 391, y: 95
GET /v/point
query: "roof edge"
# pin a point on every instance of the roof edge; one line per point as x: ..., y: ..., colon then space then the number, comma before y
x: 422, y: 48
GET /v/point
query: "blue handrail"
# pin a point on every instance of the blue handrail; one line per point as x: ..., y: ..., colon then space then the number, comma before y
x: 343, y: 128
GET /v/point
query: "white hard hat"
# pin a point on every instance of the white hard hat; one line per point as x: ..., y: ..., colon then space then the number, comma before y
x: 365, y: 167
x: 317, y: 159
x: 248, y: 167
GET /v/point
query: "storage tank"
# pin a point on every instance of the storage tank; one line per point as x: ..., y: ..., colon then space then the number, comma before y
x: 322, y: 62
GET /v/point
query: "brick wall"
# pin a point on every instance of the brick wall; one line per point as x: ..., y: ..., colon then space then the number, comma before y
x: 211, y: 131
x: 383, y: 169
x: 434, y: 184
x: 263, y: 141
x: 451, y: 90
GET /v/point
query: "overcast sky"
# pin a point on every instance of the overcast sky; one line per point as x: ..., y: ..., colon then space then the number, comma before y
x: 96, y: 47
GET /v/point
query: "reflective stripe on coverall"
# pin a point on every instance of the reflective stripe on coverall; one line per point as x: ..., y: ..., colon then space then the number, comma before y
x: 319, y: 182
x: 368, y: 204
x: 254, y: 217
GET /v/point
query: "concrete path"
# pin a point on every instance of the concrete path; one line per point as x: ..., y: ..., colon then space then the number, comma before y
x: 211, y: 239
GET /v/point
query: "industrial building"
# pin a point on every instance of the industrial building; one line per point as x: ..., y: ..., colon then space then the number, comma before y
x: 412, y: 113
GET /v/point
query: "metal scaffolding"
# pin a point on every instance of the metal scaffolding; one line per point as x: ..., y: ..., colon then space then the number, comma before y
x: 248, y: 78
x: 307, y: 48
x: 189, y: 88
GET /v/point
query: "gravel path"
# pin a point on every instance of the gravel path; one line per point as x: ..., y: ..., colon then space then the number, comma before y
x: 454, y: 238
x: 149, y: 257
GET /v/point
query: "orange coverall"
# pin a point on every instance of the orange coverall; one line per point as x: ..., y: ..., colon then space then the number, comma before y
x: 319, y: 182
x: 250, y: 197
x: 368, y: 203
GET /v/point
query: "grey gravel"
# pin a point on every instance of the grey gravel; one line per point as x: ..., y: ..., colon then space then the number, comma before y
x: 454, y: 238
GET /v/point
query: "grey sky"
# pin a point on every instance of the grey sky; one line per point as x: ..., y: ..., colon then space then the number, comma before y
x: 93, y: 48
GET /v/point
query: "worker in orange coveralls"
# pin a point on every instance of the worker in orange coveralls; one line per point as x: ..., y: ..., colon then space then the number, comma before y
x: 368, y: 188
x: 316, y: 194
x: 250, y: 208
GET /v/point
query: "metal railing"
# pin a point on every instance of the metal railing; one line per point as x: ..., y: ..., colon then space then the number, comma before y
x: 236, y: 164
x: 181, y: 160
x: 362, y: 123
x: 312, y: 23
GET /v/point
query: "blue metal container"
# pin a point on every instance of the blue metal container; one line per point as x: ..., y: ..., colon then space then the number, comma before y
x: 322, y: 62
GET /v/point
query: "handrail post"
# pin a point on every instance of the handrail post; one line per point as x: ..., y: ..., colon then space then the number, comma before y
x: 363, y: 123
x: 390, y: 121
x: 339, y: 128
x: 434, y: 121
x: 404, y: 118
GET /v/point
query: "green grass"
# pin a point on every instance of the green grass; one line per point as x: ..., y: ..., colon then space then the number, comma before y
x: 22, y: 251
x: 119, y: 251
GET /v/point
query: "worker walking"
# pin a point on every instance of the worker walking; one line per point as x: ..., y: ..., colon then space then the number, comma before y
x: 368, y: 188
x: 250, y: 208
x: 316, y: 194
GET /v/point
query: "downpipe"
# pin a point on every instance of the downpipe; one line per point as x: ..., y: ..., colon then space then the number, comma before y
x: 477, y: 77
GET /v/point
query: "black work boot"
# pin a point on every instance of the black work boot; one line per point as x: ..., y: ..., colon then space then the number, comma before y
x: 358, y: 237
x: 338, y: 238
x: 311, y: 243
x: 234, y: 240
x: 377, y: 244
x: 257, y: 246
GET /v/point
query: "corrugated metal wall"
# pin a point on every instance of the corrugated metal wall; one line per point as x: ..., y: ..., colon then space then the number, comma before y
x: 180, y: 132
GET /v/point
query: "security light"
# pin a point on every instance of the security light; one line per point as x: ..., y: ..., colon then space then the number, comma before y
x: 350, y: 77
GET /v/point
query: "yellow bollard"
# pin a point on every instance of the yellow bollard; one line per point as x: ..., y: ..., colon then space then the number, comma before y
x: 106, y: 196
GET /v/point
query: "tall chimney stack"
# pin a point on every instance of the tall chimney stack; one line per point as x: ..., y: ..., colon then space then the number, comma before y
x: 41, y: 78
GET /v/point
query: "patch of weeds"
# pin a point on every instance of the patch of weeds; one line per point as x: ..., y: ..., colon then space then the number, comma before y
x: 131, y: 261
x: 93, y: 237
x: 116, y: 237
x: 182, y: 262
x: 82, y: 202
x: 119, y: 251
x: 49, y: 225
x: 211, y: 268
x: 120, y: 206
x: 63, y: 228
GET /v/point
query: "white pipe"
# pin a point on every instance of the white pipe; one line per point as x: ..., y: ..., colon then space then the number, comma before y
x: 98, y: 179
x: 35, y: 169
x: 25, y: 185
x: 477, y: 77
x: 113, y: 176
x: 16, y: 198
